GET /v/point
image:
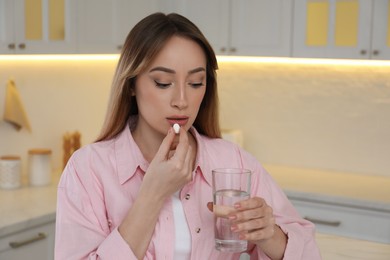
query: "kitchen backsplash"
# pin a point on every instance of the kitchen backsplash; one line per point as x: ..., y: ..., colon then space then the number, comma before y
x: 333, y: 117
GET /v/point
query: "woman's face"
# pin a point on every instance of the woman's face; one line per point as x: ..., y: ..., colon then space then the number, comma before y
x: 171, y: 90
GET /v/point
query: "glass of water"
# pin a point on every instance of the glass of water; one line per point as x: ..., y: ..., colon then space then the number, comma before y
x: 230, y: 185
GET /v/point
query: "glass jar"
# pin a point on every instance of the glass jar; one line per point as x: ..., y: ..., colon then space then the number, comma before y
x: 39, y: 167
x: 10, y: 172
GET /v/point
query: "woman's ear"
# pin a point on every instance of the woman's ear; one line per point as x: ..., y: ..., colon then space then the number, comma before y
x: 130, y: 86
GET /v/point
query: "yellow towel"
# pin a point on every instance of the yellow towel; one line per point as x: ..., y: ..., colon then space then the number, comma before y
x: 14, y: 112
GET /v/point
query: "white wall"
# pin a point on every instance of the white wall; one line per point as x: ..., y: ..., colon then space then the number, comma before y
x: 59, y: 96
x: 315, y: 116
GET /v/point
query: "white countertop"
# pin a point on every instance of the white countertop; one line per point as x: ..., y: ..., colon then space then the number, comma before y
x: 356, y: 190
x: 342, y: 248
x: 27, y: 206
x: 30, y: 206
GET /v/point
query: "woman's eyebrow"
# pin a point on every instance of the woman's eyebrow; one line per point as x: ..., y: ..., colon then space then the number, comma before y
x: 167, y: 70
x: 199, y: 69
x: 164, y: 69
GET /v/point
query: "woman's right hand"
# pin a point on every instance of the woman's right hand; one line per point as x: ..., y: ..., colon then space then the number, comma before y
x: 170, y: 169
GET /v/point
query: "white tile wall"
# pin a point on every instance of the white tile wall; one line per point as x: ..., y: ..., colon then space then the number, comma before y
x: 316, y: 116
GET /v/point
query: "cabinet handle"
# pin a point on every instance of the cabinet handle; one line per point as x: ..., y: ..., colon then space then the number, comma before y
x: 119, y: 47
x: 11, y: 46
x: 375, y: 52
x: 363, y: 52
x: 233, y: 50
x: 223, y: 49
x: 18, y: 244
x: 22, y: 46
x: 324, y: 222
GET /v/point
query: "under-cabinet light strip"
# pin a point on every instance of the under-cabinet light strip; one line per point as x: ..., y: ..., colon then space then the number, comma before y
x: 67, y: 57
x: 303, y: 61
x: 243, y: 59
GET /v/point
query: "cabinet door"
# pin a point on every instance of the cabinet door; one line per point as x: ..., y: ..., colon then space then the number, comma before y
x: 381, y: 30
x: 34, y: 243
x: 44, y: 26
x: 104, y: 25
x: 212, y: 18
x: 251, y: 27
x: 7, y: 39
x: 95, y: 32
x: 350, y: 221
x: 129, y: 13
x: 261, y: 27
x: 332, y: 28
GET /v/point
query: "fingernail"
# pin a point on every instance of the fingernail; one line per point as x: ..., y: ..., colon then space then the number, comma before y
x: 237, y: 206
x: 233, y: 228
x: 233, y: 217
x: 242, y: 237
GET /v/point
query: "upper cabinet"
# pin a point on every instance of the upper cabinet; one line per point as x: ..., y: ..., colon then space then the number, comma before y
x: 380, y: 43
x: 355, y: 29
x: 358, y: 29
x: 37, y: 26
x: 104, y: 25
x: 235, y: 27
x: 261, y: 27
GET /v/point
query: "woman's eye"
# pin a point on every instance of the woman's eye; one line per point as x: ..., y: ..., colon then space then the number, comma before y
x: 196, y: 85
x: 162, y: 85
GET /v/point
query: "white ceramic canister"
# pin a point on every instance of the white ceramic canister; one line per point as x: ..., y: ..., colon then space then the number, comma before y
x: 10, y: 172
x: 39, y: 167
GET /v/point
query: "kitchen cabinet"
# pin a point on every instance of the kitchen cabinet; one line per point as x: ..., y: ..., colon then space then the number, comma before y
x: 380, y: 42
x: 355, y: 29
x: 234, y: 27
x: 37, y: 26
x: 343, y: 219
x: 104, y: 25
x: 33, y: 243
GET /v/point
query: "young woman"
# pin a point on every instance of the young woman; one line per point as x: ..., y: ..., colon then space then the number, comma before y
x: 141, y: 191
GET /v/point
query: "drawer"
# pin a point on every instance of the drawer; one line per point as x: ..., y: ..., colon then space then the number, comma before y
x: 346, y: 221
x: 33, y: 243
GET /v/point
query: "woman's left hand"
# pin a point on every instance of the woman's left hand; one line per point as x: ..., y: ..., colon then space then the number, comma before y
x: 254, y: 220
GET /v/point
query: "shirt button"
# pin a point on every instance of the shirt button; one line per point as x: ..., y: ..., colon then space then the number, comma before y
x: 188, y: 196
x: 197, y: 230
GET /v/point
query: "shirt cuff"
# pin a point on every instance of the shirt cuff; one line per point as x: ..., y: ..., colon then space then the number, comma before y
x: 296, y: 240
x: 115, y: 247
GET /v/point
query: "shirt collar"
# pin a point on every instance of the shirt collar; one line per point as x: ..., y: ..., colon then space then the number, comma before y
x: 202, y: 163
x: 128, y: 156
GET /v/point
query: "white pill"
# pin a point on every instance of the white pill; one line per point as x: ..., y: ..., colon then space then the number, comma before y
x: 176, y: 128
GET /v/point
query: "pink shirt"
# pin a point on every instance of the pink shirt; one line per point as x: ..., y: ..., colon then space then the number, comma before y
x: 100, y: 184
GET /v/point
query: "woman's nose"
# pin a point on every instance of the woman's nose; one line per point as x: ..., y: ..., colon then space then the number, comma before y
x: 179, y: 99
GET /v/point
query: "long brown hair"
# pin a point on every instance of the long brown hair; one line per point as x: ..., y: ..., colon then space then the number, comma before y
x: 142, y: 45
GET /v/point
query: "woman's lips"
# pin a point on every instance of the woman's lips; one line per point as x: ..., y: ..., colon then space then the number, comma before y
x: 177, y: 120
